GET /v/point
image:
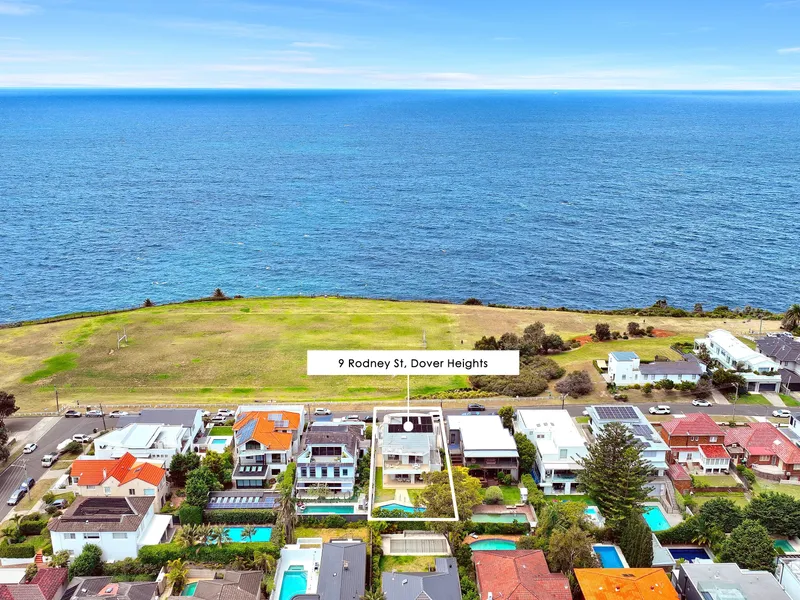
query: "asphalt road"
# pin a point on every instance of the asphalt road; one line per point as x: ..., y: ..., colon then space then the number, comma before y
x: 30, y: 465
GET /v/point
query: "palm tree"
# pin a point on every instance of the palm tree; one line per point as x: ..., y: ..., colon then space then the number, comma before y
x: 373, y: 595
x: 219, y: 535
x: 203, y: 534
x: 177, y: 574
x: 791, y: 318
x: 287, y: 516
x: 264, y: 562
x: 188, y: 535
x: 248, y: 531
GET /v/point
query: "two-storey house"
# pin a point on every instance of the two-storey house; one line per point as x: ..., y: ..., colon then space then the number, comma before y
x: 760, y: 372
x: 697, y: 441
x: 559, y: 444
x: 765, y: 449
x: 263, y: 446
x: 481, y: 443
x: 146, y: 441
x: 785, y: 350
x: 125, y: 476
x: 326, y: 466
x: 409, y: 447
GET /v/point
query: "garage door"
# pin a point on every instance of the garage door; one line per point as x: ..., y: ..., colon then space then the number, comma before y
x: 767, y: 387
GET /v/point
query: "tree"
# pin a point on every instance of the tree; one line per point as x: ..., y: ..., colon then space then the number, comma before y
x: 722, y: 512
x: 636, y: 542
x: 248, y: 531
x: 285, y: 505
x: 708, y: 534
x: 30, y: 572
x: 218, y: 535
x: 219, y: 294
x: 749, y: 546
x: 177, y: 574
x: 493, y: 495
x: 8, y: 405
x: 220, y: 464
x: 552, y: 341
x: 791, y: 318
x: 615, y: 474
x: 509, y: 341
x: 698, y: 308
x: 147, y: 303
x: 60, y: 560
x: 199, y: 483
x: 438, y: 499
x: 507, y: 416
x: 634, y: 329
x: 560, y: 516
x: 526, y: 451
x: 180, y: 466
x: 665, y: 384
x: 576, y: 383
x: 722, y: 378
x: 88, y: 563
x: 571, y: 549
x: 647, y: 388
x: 487, y: 343
x: 373, y: 595
x: 532, y: 339
x: 190, y: 535
x: 602, y: 331
x: 778, y: 512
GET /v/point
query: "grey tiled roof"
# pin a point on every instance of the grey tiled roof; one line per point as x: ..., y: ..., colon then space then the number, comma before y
x: 235, y: 585
x: 344, y: 435
x: 780, y: 348
x: 89, y: 514
x: 677, y: 367
x: 162, y: 416
x: 441, y: 585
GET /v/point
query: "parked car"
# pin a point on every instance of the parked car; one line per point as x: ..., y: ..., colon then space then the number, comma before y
x: 322, y: 411
x: 225, y: 412
x: 16, y: 496
x: 117, y: 413
x: 368, y: 419
x: 48, y: 460
x: 81, y: 438
x: 206, y: 414
x: 661, y: 409
x: 470, y: 414
x: 699, y: 402
x: 219, y: 419
x: 72, y: 414
x: 27, y: 484
x: 29, y: 448
x: 95, y: 412
x: 60, y: 503
x: 782, y: 413
x: 474, y: 407
x: 351, y: 418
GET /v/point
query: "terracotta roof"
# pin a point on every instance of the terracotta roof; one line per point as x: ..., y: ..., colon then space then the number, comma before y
x: 123, y: 469
x: 258, y: 426
x: 625, y: 584
x: 763, y: 439
x: 292, y: 419
x: 714, y: 451
x: 44, y: 586
x: 693, y: 424
x: 676, y: 472
x: 518, y: 575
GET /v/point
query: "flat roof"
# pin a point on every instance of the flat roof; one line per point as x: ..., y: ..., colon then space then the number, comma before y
x: 558, y: 422
x: 624, y: 355
x: 483, y: 432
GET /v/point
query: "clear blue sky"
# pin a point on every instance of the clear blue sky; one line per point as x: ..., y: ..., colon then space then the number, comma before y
x: 526, y: 44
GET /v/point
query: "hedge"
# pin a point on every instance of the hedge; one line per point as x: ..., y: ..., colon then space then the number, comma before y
x: 24, y: 550
x: 240, y: 516
x: 190, y: 515
x: 32, y: 527
x: 683, y: 533
x: 160, y: 554
x: 500, y: 528
x: 330, y: 522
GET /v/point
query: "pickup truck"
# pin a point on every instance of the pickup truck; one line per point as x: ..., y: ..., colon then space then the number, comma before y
x: 48, y: 460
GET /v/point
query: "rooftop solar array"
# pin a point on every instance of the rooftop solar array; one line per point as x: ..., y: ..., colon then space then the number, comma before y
x: 243, y: 501
x: 616, y: 412
x: 103, y: 506
x: 642, y: 431
x: 421, y: 425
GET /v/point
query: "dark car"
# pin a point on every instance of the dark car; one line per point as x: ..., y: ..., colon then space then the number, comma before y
x: 16, y: 496
x: 368, y: 419
x: 72, y: 413
x: 27, y: 484
x: 60, y: 503
x: 474, y: 407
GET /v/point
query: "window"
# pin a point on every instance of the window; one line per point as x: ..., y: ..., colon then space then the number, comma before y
x: 119, y: 536
x: 623, y: 378
x: 336, y: 471
x: 323, y: 472
x: 131, y: 491
x: 107, y: 490
x: 712, y: 439
x: 90, y: 487
x: 69, y: 536
x: 346, y: 472
x: 304, y: 472
x: 693, y: 438
x: 562, y: 454
x: 91, y: 536
x: 313, y: 471
x: 150, y: 492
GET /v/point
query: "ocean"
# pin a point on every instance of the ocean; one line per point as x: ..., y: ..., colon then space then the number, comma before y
x: 579, y: 199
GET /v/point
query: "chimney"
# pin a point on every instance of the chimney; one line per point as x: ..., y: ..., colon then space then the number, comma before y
x: 346, y: 565
x: 489, y: 597
x: 105, y: 475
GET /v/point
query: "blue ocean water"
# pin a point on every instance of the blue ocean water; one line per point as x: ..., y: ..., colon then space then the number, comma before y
x: 579, y: 199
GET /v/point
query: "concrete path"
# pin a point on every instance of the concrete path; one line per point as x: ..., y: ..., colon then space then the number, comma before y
x: 401, y: 496
x: 719, y: 397
x: 774, y: 399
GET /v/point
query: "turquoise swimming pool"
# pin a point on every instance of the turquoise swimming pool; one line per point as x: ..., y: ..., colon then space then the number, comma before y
x: 219, y: 442
x: 263, y: 534
x: 609, y: 557
x: 493, y: 545
x: 295, y: 581
x: 502, y: 518
x: 395, y: 506
x: 189, y: 589
x: 328, y: 509
x: 655, y: 518
x: 783, y: 545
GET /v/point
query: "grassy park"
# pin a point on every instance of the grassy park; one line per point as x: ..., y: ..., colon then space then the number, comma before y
x: 224, y: 353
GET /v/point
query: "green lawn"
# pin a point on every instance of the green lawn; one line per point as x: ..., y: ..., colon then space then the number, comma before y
x: 511, y: 494
x: 221, y: 430
x: 736, y: 497
x: 39, y: 489
x: 716, y: 480
x: 407, y: 564
x: 767, y: 486
x: 750, y: 399
x: 581, y: 420
x: 381, y: 494
x: 788, y: 400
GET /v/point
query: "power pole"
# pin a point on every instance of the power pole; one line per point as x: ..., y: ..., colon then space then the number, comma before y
x: 57, y: 409
x: 103, y: 416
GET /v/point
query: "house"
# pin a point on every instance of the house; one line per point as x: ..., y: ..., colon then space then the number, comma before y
x: 559, y: 443
x: 119, y: 526
x: 765, y: 449
x: 625, y: 368
x: 518, y: 575
x: 726, y: 581
x: 788, y: 575
x: 760, y: 372
x: 104, y: 588
x: 697, y: 440
x: 146, y: 441
x: 232, y: 585
x: 47, y: 584
x: 342, y: 571
x: 189, y: 418
x: 125, y: 476
x: 264, y: 444
x: 784, y: 350
x: 654, y: 449
x: 441, y: 584
x: 285, y: 410
x: 409, y: 451
x: 328, y: 461
x: 625, y: 584
x: 481, y: 443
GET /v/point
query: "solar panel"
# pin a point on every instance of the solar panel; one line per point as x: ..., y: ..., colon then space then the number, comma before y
x: 615, y: 412
x: 642, y: 431
x: 421, y: 425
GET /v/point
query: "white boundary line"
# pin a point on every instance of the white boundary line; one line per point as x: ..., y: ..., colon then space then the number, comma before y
x: 434, y: 410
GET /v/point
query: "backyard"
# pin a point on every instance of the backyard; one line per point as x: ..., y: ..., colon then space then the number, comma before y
x: 407, y: 564
x: 327, y: 535
x: 511, y: 494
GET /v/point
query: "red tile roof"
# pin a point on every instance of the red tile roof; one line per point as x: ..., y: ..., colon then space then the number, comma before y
x: 676, y: 472
x: 625, y: 584
x: 518, y: 575
x: 693, y: 424
x: 45, y: 585
x: 714, y: 451
x: 123, y: 469
x: 763, y: 439
x: 684, y: 448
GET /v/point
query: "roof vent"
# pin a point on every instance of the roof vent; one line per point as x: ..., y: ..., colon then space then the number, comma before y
x: 346, y: 565
x: 405, y: 581
x: 489, y: 597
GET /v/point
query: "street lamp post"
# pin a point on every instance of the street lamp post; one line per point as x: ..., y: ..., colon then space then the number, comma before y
x: 735, y: 399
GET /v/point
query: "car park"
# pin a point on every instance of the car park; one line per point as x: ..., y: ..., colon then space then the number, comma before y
x: 94, y: 413
x: 72, y: 414
x: 782, y: 413
x: 16, y: 496
x: 476, y: 407
x: 81, y: 438
x: 29, y: 448
x: 117, y: 413
x: 322, y: 411
x: 700, y: 402
x: 661, y: 409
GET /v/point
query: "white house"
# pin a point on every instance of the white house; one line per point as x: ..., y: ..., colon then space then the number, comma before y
x: 145, y: 441
x: 760, y: 372
x: 119, y: 526
x: 625, y: 368
x: 482, y: 443
x: 406, y: 454
x: 329, y: 458
x: 559, y: 443
x: 189, y: 418
x: 785, y: 350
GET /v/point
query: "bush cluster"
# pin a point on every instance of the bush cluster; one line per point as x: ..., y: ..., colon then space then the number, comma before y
x: 240, y: 516
x: 161, y: 554
x: 329, y: 522
x: 24, y: 550
x: 190, y: 515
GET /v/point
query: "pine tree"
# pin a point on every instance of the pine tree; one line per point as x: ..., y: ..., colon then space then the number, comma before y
x: 615, y: 474
x: 636, y: 542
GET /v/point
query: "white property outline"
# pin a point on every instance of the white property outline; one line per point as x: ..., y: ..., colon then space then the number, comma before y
x: 372, y: 466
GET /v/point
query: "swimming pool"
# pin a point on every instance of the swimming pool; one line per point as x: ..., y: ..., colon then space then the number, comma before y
x: 295, y: 581
x: 688, y: 554
x: 501, y: 518
x: 395, y: 506
x: 493, y: 545
x: 329, y: 509
x: 189, y: 589
x: 219, y: 442
x: 783, y: 545
x: 262, y: 534
x: 655, y: 518
x: 609, y: 557
x: 593, y: 514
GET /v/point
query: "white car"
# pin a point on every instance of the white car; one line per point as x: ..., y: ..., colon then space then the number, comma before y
x: 225, y: 412
x: 206, y: 413
x: 29, y: 448
x: 351, y: 418
x: 118, y: 413
x: 585, y: 412
x: 661, y: 409
x: 94, y: 413
x: 782, y: 413
x: 219, y: 419
x: 81, y: 438
x: 322, y: 411
x: 699, y: 402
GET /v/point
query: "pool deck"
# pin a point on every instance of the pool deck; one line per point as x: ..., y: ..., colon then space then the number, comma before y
x: 491, y: 536
x: 499, y: 509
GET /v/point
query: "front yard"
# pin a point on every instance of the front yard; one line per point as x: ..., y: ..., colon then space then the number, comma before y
x: 750, y: 399
x: 788, y: 400
x: 736, y: 497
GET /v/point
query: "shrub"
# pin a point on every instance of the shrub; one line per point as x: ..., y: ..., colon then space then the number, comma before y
x: 683, y: 533
x: 161, y: 554
x: 190, y: 515
x: 240, y: 516
x: 494, y: 495
x: 747, y: 473
x: 24, y: 550
x: 473, y: 302
x: 32, y: 527
x: 129, y: 567
x: 88, y: 563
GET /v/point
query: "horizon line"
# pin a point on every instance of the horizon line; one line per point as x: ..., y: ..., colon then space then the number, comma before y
x: 390, y: 89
